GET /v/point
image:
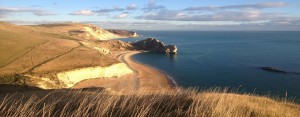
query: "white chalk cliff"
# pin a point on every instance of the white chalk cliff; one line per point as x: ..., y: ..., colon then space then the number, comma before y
x: 67, y: 79
x: 70, y: 78
x: 62, y: 54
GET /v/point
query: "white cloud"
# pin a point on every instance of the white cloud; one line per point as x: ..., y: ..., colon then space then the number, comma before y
x: 38, y: 12
x: 131, y: 7
x: 235, y: 13
x: 121, y: 16
x: 286, y: 20
x: 218, y: 16
x: 152, y: 6
x: 100, y: 12
x: 83, y: 12
x: 114, y: 9
x: 242, y: 6
x: 253, y: 16
x: 169, y: 25
x: 151, y: 3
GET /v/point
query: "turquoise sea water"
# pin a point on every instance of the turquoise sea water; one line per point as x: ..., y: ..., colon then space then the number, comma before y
x: 230, y: 59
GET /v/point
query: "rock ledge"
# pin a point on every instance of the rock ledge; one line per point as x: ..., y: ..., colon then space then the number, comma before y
x: 154, y: 45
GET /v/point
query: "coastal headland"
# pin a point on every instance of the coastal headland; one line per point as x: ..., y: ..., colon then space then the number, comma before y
x: 75, y: 56
x: 144, y: 77
x: 80, y: 70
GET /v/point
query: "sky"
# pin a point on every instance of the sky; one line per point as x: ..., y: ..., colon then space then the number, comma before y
x: 207, y: 15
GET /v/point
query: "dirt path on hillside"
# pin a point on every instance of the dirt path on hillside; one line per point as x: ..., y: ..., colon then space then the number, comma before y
x: 29, y: 49
x: 55, y: 57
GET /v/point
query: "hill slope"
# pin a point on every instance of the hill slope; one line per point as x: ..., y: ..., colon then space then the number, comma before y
x: 80, y: 31
x: 36, y: 55
x: 179, y: 103
x: 49, y: 57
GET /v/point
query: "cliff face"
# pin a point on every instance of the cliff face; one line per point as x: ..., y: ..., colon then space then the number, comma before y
x: 67, y: 79
x: 52, y: 58
x: 89, y: 31
x: 70, y: 78
x: 85, y: 31
x: 154, y: 45
x: 123, y: 33
x: 60, y: 55
x: 116, y: 45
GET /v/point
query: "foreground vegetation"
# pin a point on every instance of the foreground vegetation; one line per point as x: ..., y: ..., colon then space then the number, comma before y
x: 42, y: 51
x: 182, y: 102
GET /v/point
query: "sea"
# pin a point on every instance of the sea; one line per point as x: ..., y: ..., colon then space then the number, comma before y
x: 230, y: 59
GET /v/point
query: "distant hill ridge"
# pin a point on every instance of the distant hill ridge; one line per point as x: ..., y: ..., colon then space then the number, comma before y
x: 85, y: 31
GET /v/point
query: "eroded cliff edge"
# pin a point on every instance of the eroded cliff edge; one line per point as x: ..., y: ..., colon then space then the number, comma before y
x: 53, y: 56
x: 155, y: 45
x: 124, y: 33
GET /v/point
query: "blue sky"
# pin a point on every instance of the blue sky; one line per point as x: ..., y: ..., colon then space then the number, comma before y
x: 158, y: 14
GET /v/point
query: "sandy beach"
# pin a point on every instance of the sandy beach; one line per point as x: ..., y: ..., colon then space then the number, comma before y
x: 144, y: 77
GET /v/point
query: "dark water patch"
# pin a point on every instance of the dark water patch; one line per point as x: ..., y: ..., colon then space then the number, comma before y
x: 231, y: 59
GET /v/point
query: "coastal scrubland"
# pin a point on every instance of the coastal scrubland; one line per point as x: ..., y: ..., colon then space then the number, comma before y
x: 166, y: 103
x: 30, y: 55
x: 78, y: 30
x: 13, y: 44
x: 57, y: 56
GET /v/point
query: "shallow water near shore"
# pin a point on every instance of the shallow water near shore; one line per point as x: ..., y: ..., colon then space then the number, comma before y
x: 230, y: 59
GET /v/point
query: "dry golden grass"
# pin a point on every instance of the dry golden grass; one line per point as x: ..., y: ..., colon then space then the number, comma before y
x: 77, y: 30
x: 38, y: 56
x: 16, y: 43
x: 115, y: 45
x: 58, y: 28
x: 175, y: 103
x: 42, y: 51
x: 25, y: 48
x: 78, y: 58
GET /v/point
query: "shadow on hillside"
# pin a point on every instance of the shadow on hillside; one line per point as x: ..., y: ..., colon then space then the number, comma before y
x: 18, y: 91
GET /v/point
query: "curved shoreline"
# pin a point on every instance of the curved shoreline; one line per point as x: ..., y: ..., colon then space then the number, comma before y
x: 149, y: 78
x: 144, y: 77
x: 171, y: 81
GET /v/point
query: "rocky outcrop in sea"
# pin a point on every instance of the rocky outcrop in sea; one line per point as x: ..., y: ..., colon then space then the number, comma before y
x: 154, y: 45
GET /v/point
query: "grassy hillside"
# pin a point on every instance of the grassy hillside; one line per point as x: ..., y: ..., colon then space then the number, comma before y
x: 32, y: 54
x: 77, y: 30
x: 16, y: 41
x: 179, y: 103
x: 23, y: 48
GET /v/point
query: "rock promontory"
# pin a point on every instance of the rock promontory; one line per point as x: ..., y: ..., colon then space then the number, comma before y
x: 154, y: 45
x: 124, y: 33
x: 56, y: 56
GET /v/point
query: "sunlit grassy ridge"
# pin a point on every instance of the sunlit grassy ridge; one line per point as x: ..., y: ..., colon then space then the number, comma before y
x: 27, y: 49
x: 177, y: 103
x: 31, y: 54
